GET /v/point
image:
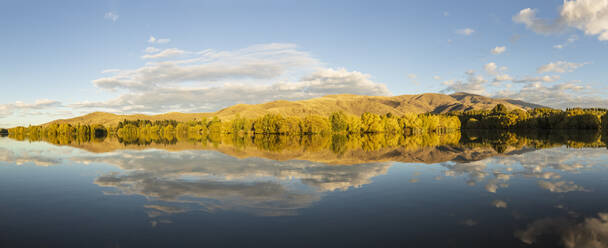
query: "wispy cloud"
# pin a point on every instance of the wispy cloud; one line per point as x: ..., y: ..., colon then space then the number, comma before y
x: 560, y: 67
x: 499, y: 50
x: 112, y: 16
x: 153, y: 39
x: 570, y: 40
x: 465, y: 31
x: 171, y: 52
x: 19, y: 106
x: 151, y: 49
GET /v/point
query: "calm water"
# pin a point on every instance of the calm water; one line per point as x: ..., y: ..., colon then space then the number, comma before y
x: 513, y: 194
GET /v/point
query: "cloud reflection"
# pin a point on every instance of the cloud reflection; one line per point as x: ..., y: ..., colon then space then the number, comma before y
x: 591, y: 232
x: 213, y: 181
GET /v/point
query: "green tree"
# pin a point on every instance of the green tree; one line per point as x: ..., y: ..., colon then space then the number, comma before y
x: 500, y: 109
x: 338, y: 122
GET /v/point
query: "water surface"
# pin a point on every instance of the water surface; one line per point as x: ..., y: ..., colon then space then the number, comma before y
x: 500, y: 190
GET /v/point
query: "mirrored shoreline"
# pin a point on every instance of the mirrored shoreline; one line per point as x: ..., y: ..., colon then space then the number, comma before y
x: 468, y: 145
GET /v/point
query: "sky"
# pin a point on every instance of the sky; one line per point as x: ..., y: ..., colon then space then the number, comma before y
x: 62, y: 59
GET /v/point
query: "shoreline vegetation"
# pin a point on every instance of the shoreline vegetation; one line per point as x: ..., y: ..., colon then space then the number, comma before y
x: 275, y: 124
x: 337, y: 127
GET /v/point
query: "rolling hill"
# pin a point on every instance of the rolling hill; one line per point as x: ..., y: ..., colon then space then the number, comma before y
x: 350, y: 104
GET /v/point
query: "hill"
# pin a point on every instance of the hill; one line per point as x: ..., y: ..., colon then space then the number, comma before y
x: 350, y: 104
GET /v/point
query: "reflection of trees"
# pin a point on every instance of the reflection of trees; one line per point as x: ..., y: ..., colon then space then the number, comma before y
x: 500, y: 140
x: 342, y: 148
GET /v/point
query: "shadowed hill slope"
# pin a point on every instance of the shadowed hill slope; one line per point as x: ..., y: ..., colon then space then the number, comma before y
x: 350, y: 104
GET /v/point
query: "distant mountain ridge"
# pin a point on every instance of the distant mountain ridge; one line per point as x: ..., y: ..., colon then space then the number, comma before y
x: 349, y: 104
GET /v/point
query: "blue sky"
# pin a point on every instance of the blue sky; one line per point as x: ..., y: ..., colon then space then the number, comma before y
x: 196, y: 56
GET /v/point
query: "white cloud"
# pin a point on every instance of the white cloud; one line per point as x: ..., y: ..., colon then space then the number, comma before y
x: 171, y: 52
x: 153, y: 39
x: 528, y: 17
x: 151, y: 49
x: 465, y: 31
x: 320, y: 83
x: 570, y: 40
x: 589, y: 16
x: 437, y: 77
x: 560, y: 67
x: 19, y: 106
x: 503, y: 77
x: 411, y: 76
x: 543, y: 79
x: 209, y: 80
x: 258, y: 62
x: 499, y: 49
x: 491, y: 68
x: 38, y: 104
x: 562, y: 95
x: 531, y: 89
x: 474, y: 84
x: 113, y: 16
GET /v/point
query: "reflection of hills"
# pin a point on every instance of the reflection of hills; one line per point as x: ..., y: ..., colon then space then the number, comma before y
x: 340, y: 149
x: 432, y: 154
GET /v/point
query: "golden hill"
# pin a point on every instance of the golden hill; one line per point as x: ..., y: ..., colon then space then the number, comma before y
x: 350, y: 104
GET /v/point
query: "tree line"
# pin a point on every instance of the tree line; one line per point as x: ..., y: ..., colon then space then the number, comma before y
x: 59, y: 131
x: 134, y: 131
x: 338, y: 123
x: 539, y: 118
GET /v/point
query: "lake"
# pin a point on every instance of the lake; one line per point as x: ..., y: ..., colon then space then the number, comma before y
x: 482, y: 189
